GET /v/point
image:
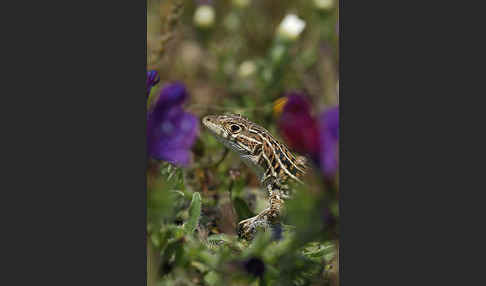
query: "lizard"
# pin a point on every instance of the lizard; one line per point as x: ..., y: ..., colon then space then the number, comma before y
x: 272, y: 161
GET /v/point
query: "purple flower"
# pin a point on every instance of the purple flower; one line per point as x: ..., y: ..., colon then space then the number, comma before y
x: 153, y: 78
x: 317, y: 138
x: 329, y: 140
x: 170, y: 130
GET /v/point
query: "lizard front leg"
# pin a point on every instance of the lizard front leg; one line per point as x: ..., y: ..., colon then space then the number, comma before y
x: 270, y: 216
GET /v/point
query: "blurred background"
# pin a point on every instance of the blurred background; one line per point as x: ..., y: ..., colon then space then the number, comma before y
x: 276, y: 63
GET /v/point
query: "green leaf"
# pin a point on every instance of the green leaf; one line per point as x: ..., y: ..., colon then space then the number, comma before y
x: 194, y: 213
x: 212, y: 278
x: 201, y: 267
x: 172, y: 254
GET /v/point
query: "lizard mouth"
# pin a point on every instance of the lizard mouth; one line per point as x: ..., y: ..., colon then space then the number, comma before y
x: 210, y: 123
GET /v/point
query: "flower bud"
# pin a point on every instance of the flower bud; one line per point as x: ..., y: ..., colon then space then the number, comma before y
x: 152, y: 79
x: 291, y: 27
x: 204, y: 16
x: 247, y: 68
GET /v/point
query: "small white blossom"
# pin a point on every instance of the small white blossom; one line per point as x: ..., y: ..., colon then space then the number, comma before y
x: 291, y: 27
x: 241, y: 3
x: 323, y: 4
x: 247, y: 68
x: 204, y: 16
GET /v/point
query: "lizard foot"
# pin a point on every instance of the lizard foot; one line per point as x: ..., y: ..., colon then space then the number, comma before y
x: 247, y: 228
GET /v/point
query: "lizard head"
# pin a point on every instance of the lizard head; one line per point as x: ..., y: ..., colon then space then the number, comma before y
x: 233, y: 131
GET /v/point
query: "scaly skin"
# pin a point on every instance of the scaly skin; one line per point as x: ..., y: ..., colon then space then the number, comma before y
x: 271, y: 160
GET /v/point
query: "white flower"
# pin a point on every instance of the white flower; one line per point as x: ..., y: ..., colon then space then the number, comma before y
x: 323, y: 4
x: 291, y: 27
x: 247, y: 68
x: 204, y: 16
x: 241, y: 3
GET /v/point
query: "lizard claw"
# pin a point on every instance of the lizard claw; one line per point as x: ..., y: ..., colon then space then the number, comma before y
x: 247, y: 228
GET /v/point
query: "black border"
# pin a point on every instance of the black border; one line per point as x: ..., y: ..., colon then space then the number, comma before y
x: 78, y: 132
x: 405, y: 113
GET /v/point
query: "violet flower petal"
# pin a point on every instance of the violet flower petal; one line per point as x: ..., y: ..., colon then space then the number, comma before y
x: 329, y: 141
x: 170, y: 130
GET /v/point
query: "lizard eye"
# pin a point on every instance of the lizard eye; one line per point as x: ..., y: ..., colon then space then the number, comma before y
x: 235, y: 128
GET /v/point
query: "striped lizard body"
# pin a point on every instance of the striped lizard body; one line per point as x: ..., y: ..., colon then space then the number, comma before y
x: 271, y: 160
